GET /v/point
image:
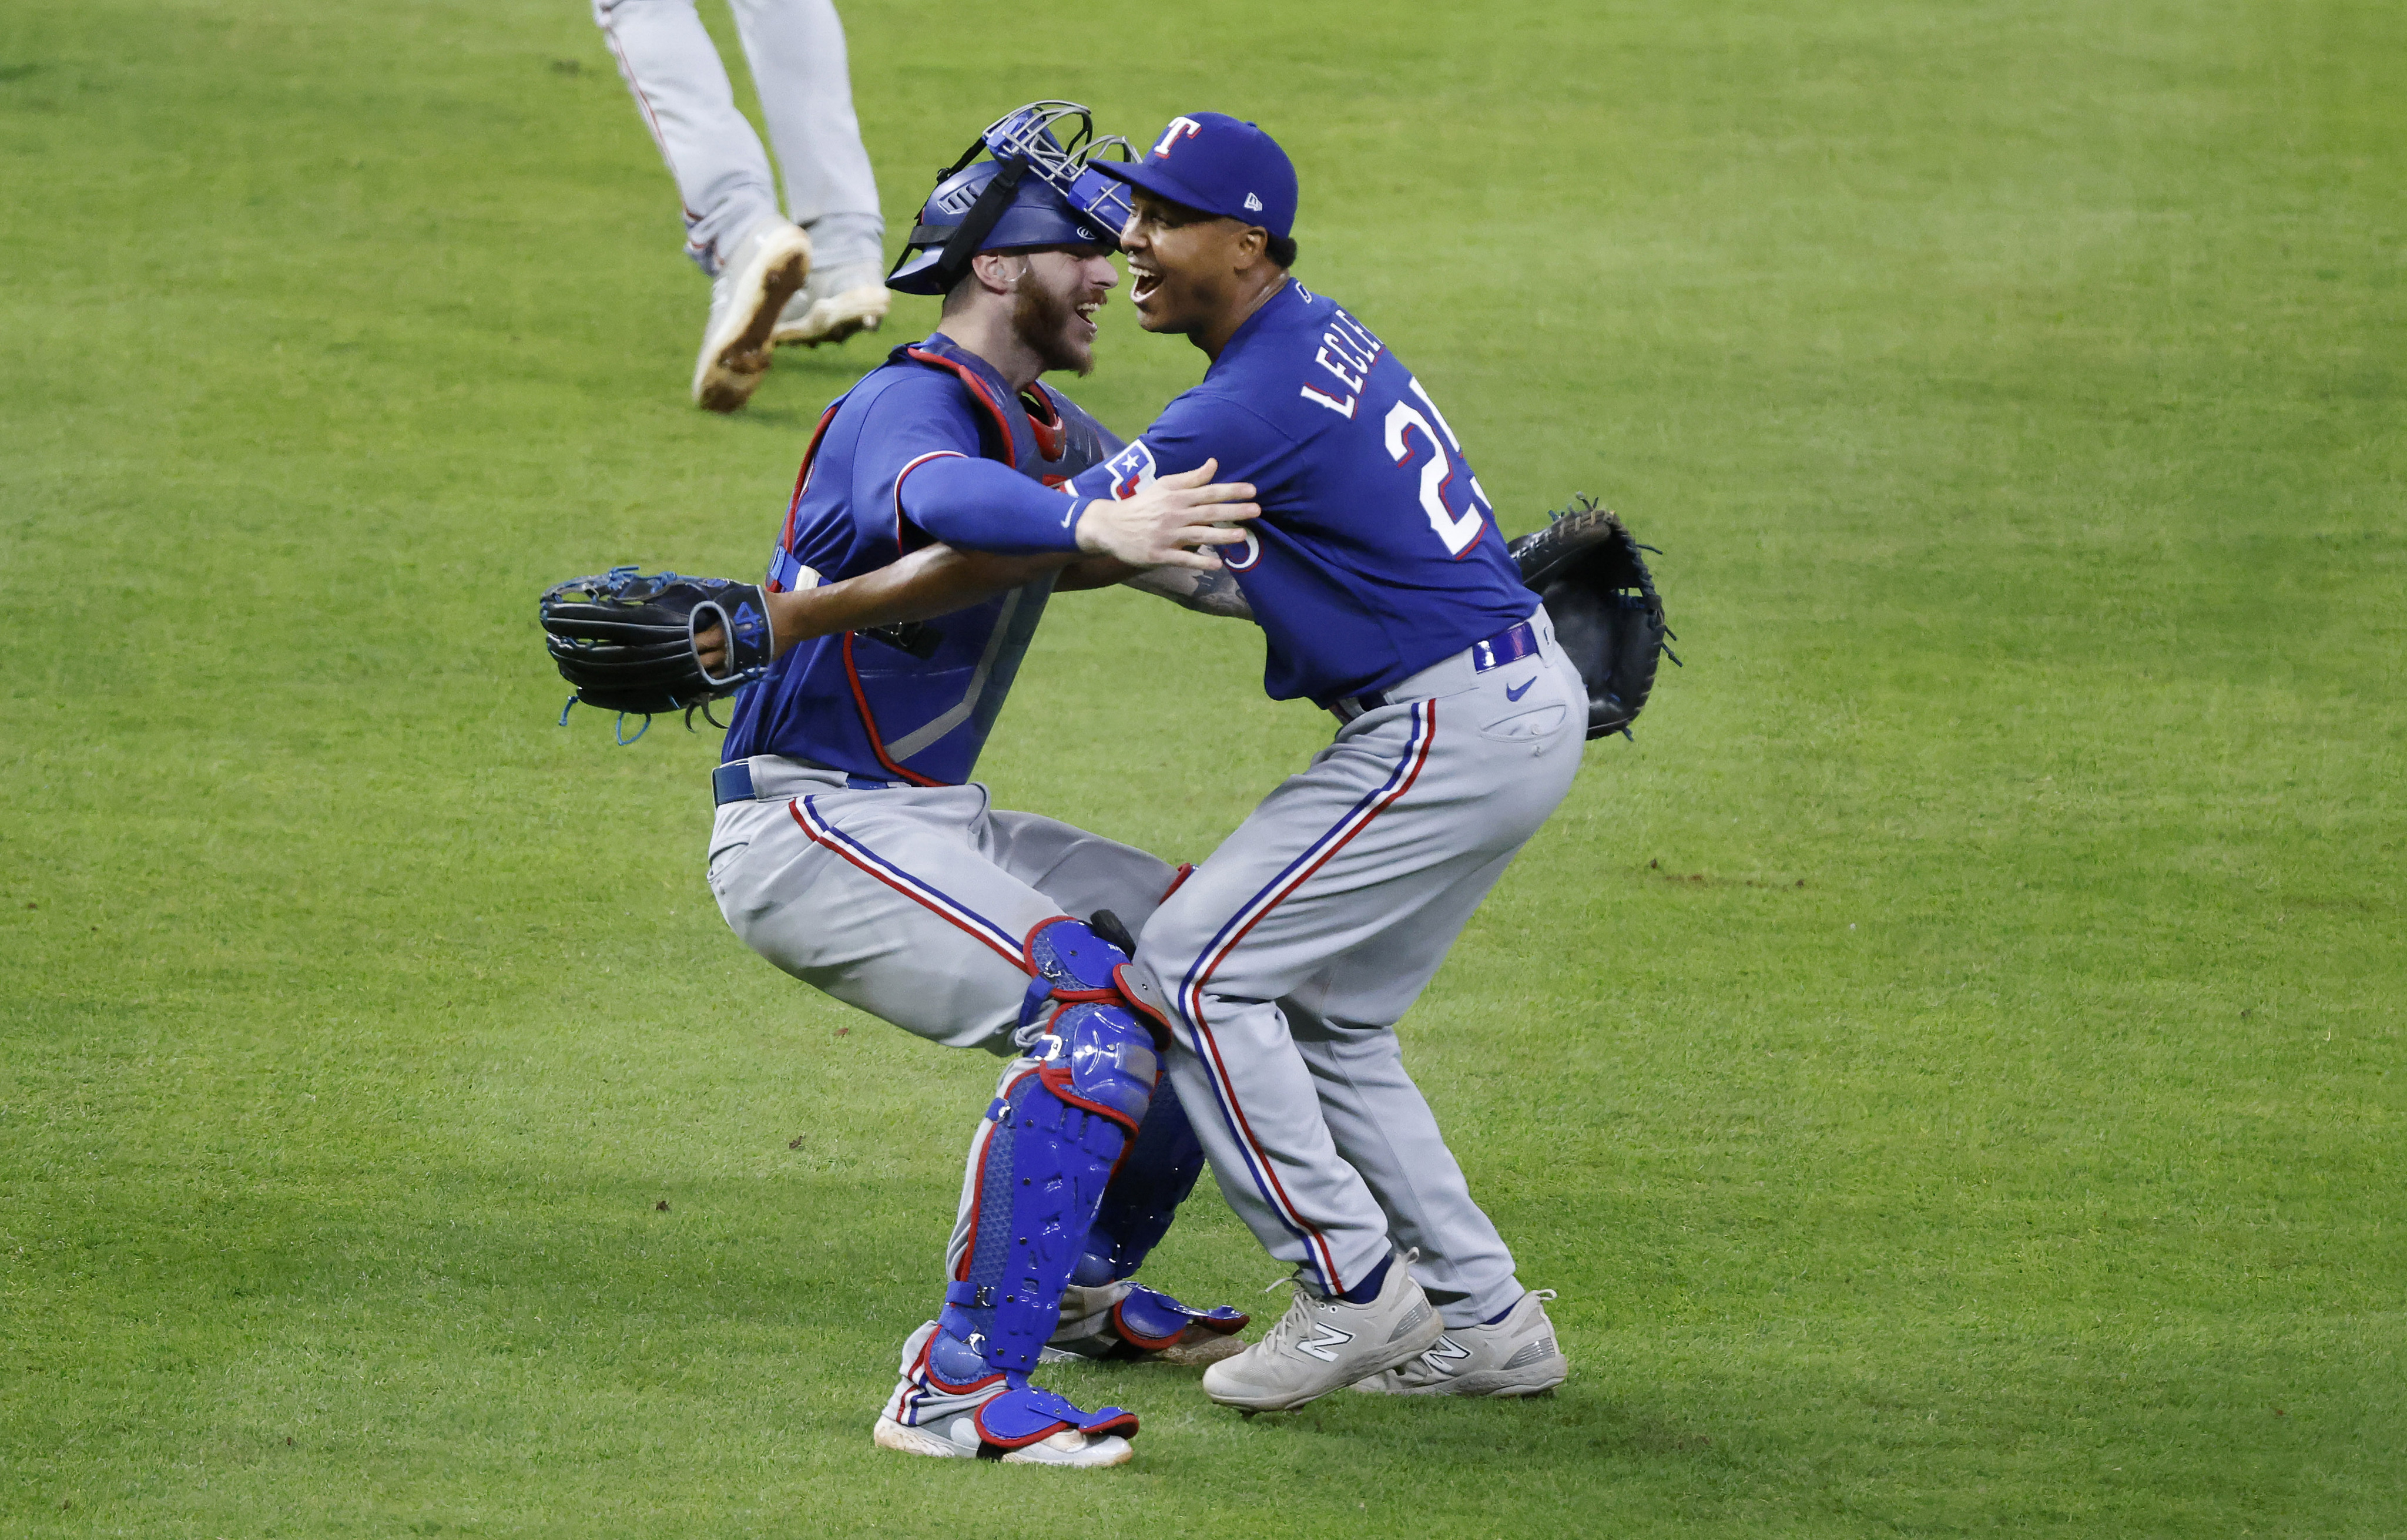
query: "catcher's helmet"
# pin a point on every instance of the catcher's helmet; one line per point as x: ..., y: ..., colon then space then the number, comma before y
x: 1039, y: 189
x: 1031, y: 215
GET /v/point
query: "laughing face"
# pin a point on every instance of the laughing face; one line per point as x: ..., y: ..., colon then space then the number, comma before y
x: 1182, y: 264
x: 1058, y: 293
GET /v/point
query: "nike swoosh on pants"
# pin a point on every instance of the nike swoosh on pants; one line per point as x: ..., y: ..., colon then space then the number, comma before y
x: 1512, y: 695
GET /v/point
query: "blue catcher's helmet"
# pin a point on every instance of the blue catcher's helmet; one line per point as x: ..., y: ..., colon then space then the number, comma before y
x: 1036, y: 191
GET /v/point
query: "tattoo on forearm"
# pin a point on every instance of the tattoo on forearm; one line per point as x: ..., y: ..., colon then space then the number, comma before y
x: 1206, y: 592
x: 1217, y: 594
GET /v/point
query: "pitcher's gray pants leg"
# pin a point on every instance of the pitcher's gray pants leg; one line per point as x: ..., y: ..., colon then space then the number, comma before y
x: 1340, y: 896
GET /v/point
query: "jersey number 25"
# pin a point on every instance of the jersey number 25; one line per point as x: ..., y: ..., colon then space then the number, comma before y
x: 1457, y: 530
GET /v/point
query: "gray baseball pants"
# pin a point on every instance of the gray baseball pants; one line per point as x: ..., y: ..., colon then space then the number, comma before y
x: 1285, y: 961
x: 913, y: 904
x: 796, y: 51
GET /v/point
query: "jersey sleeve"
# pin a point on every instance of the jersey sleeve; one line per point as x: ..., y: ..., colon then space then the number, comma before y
x: 1198, y: 426
x: 977, y: 505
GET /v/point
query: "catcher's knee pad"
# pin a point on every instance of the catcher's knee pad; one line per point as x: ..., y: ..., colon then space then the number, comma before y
x: 1053, y: 1137
x: 1154, y: 1177
x: 1070, y: 962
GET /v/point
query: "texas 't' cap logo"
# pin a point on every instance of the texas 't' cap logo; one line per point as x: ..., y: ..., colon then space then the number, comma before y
x: 1181, y: 127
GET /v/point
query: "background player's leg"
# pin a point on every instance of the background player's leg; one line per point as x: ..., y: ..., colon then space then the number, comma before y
x: 796, y: 50
x: 682, y: 93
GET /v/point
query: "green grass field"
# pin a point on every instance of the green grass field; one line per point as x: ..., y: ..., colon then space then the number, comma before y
x: 1951, y: 1064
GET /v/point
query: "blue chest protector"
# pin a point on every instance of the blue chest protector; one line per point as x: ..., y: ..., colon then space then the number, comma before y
x: 914, y: 703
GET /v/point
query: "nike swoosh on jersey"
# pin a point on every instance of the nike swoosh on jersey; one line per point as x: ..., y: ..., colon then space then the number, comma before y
x: 1512, y: 695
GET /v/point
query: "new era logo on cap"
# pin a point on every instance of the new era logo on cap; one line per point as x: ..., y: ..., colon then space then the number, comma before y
x: 1217, y: 165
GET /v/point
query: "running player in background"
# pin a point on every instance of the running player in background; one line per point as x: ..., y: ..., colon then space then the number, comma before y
x: 809, y: 275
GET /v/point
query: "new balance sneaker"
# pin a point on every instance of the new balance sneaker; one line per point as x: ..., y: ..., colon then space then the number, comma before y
x: 1321, y: 1344
x: 833, y: 306
x: 1517, y: 1356
x: 767, y: 265
x: 1123, y: 1321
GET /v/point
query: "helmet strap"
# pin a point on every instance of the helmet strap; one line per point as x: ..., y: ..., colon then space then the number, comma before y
x: 964, y: 243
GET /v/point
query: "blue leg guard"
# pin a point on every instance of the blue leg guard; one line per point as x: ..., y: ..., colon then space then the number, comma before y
x: 1154, y: 1177
x: 1056, y: 1134
x: 1153, y: 1180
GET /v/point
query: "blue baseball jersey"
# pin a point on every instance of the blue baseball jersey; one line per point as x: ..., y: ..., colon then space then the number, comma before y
x: 1376, y: 554
x: 909, y: 703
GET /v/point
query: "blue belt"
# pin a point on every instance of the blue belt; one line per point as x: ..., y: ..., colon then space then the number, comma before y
x: 1510, y: 645
x: 734, y: 783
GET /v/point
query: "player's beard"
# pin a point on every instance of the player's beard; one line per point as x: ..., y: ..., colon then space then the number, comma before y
x: 1044, y: 320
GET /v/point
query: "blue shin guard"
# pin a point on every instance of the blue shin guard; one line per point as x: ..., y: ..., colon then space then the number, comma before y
x: 1053, y: 1137
x: 1154, y: 1177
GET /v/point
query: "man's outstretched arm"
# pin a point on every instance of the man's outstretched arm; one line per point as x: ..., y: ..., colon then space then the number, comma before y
x: 928, y: 582
x: 1205, y: 593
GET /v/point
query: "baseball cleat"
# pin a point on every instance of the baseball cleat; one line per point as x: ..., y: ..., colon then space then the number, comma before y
x: 1321, y: 1344
x: 1123, y: 1321
x: 766, y: 266
x: 833, y: 307
x: 957, y: 1438
x: 1517, y: 1356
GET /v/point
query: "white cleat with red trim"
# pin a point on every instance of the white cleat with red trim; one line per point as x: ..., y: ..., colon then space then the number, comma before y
x: 957, y: 1438
x: 1325, y: 1344
x: 987, y: 1415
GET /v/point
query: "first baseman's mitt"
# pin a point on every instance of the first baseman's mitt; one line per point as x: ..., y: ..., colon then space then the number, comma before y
x: 1608, y: 617
x: 626, y: 642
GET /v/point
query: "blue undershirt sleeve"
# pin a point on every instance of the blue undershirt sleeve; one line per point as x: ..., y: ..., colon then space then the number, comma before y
x: 978, y: 505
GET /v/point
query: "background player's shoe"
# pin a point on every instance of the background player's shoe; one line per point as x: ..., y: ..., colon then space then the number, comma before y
x: 1517, y: 1356
x: 1322, y: 1344
x: 1123, y: 1321
x: 833, y: 306
x: 767, y: 265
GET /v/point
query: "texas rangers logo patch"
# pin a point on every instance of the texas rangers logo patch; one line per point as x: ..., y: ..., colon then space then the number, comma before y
x: 1131, y: 470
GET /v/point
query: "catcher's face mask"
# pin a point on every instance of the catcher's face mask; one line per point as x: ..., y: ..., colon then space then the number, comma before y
x: 1037, y: 190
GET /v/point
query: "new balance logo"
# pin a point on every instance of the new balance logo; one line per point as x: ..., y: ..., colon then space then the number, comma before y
x: 1253, y: 203
x: 1447, y: 1351
x: 1325, y: 1337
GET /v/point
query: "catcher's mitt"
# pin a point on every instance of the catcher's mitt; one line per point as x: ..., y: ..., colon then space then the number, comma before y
x: 1608, y: 617
x: 626, y: 642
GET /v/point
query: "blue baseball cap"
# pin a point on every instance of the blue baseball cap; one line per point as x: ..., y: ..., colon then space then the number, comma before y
x: 1218, y: 164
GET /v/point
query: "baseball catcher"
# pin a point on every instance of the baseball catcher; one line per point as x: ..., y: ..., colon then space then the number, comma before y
x: 852, y: 850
